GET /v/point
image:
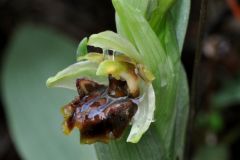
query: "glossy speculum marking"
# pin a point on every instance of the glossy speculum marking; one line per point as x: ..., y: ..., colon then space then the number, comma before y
x: 100, y: 112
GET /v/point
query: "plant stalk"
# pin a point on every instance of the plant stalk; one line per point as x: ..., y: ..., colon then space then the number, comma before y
x: 195, y: 95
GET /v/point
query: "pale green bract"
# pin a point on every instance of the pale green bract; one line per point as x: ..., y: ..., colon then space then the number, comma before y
x: 90, y: 69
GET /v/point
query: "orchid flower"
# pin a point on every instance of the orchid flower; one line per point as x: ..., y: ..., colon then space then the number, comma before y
x: 124, y: 64
x: 120, y: 85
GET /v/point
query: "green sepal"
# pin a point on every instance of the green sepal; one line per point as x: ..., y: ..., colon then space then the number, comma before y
x: 82, y: 48
x: 67, y: 77
x: 145, y: 114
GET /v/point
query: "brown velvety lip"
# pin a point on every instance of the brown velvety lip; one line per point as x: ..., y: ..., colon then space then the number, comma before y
x: 100, y: 112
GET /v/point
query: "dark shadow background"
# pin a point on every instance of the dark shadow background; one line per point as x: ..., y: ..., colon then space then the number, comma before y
x: 220, y: 59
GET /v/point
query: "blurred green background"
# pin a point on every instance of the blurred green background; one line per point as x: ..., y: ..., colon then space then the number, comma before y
x: 39, y: 37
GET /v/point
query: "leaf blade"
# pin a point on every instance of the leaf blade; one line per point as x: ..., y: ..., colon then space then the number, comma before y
x: 35, y: 121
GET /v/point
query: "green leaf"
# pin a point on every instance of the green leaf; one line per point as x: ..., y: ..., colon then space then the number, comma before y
x: 158, y: 15
x: 148, y: 147
x: 182, y: 111
x: 33, y: 110
x: 67, y: 77
x: 180, y: 15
